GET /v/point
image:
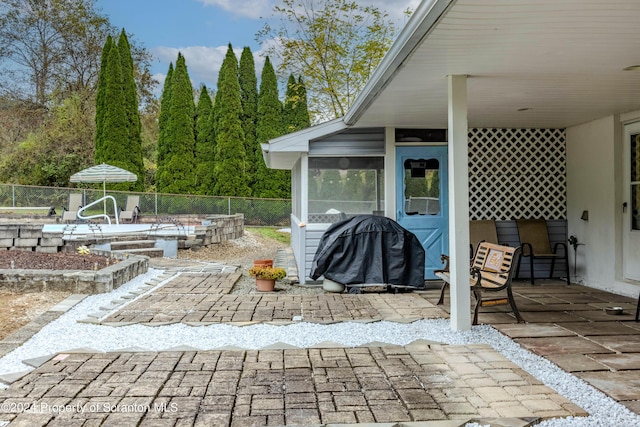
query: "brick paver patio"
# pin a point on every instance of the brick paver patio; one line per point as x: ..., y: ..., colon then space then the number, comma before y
x: 419, y: 382
x: 197, y: 298
x: 329, y: 385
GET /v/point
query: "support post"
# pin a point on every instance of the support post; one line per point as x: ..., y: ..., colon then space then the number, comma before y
x: 459, y: 204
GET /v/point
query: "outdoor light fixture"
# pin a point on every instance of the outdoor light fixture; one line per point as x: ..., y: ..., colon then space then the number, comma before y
x: 585, y: 216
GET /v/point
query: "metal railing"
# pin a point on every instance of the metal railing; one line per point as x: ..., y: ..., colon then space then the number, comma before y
x: 257, y: 212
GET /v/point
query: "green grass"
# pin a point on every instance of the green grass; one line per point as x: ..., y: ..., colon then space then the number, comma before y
x: 271, y: 233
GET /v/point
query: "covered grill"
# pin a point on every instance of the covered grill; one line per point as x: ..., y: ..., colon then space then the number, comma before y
x: 368, y: 249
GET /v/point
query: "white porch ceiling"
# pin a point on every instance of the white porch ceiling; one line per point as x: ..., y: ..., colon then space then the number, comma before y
x: 562, y: 60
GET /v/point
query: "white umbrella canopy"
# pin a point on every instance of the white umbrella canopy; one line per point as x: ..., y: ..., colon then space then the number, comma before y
x: 103, y: 173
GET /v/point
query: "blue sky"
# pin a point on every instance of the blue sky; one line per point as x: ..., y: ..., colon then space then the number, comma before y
x: 202, y: 29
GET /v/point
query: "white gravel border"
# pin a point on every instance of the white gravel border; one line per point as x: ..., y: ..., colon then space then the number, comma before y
x: 65, y: 333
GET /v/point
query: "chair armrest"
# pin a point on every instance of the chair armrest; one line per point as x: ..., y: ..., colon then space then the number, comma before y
x: 526, y: 246
x: 445, y: 260
x: 564, y: 246
x: 476, y: 274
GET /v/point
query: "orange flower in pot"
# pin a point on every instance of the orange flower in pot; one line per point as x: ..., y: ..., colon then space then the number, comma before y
x: 266, y: 277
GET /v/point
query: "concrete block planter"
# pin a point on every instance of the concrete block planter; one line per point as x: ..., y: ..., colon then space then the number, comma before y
x: 76, y: 281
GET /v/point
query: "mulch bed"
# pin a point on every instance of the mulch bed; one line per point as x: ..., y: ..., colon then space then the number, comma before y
x: 58, y: 261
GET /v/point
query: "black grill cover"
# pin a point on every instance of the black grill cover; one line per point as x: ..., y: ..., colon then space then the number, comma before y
x: 369, y: 249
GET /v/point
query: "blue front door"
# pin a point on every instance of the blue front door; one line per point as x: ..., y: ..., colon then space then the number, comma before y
x: 422, y: 200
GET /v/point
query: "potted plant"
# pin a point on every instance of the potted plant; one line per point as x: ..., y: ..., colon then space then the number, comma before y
x: 266, y: 277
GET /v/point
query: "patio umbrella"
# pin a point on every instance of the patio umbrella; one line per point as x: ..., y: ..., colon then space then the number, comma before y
x: 103, y: 173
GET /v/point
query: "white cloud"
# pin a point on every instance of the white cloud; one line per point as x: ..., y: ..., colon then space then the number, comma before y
x: 203, y: 62
x: 254, y: 9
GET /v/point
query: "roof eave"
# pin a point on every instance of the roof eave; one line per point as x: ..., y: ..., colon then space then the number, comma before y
x: 283, y: 152
x: 418, y: 27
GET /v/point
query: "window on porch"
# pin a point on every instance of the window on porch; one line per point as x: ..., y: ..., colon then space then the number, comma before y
x: 342, y: 187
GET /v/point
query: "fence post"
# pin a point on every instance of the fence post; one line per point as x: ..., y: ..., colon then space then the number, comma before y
x: 13, y: 195
x: 229, y: 205
x: 156, y: 203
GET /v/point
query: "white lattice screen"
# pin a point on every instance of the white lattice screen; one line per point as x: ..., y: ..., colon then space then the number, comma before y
x: 517, y: 173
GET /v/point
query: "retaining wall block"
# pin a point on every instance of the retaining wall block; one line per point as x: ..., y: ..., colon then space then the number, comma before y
x: 47, y: 249
x: 23, y: 243
x: 8, y: 232
x: 6, y: 243
x: 51, y: 241
x: 30, y: 231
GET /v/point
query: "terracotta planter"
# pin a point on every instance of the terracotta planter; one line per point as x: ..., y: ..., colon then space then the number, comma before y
x: 265, y: 285
x: 263, y: 263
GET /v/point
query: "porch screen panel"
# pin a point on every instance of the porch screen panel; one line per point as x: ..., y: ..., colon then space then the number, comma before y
x: 342, y: 187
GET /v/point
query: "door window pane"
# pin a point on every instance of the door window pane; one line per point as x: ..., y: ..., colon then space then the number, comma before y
x: 421, y: 187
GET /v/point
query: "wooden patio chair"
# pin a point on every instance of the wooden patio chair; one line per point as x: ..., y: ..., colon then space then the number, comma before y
x: 70, y: 213
x: 483, y: 230
x: 492, y: 270
x: 131, y: 211
x: 534, y: 239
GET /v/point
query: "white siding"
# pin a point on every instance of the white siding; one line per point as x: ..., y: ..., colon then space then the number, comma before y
x: 593, y: 181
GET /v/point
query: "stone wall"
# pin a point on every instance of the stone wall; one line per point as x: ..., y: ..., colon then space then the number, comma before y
x: 215, y: 229
x: 29, y: 237
x: 78, y: 282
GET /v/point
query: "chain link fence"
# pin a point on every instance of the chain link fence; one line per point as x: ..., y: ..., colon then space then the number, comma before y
x: 257, y: 212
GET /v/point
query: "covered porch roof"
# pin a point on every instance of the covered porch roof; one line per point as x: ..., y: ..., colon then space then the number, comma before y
x: 530, y: 63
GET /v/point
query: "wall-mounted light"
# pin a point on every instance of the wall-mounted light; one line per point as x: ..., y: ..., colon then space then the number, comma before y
x: 585, y: 216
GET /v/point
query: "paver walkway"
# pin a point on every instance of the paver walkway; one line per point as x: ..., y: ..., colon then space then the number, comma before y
x: 566, y: 324
x: 419, y: 382
x: 569, y: 326
x: 199, y: 299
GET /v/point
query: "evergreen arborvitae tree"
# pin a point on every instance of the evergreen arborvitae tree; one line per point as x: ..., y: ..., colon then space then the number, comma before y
x: 290, y: 103
x: 114, y: 122
x: 296, y: 111
x: 249, y: 96
x: 133, y: 144
x: 100, y: 96
x: 205, y: 154
x: 269, y: 182
x: 178, y: 175
x: 163, y: 119
x: 302, y: 117
x: 229, y: 171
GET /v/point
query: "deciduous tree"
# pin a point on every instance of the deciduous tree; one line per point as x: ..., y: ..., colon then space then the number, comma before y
x: 50, y: 45
x: 335, y: 44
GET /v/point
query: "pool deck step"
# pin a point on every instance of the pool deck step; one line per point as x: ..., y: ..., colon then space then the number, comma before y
x: 150, y: 252
x: 132, y: 244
